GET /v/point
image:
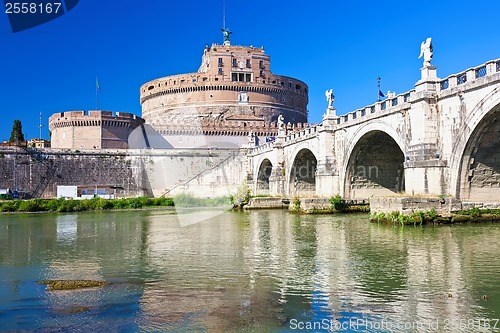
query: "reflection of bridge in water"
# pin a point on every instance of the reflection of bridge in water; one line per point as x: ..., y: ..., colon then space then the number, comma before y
x: 441, y: 138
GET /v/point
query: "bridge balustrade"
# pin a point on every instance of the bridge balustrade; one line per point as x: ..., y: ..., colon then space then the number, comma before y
x: 406, y: 97
x: 480, y: 72
x: 445, y: 84
x: 471, y: 74
x: 379, y: 106
x: 462, y: 78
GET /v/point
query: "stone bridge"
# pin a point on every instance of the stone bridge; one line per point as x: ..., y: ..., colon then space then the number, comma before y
x: 440, y: 138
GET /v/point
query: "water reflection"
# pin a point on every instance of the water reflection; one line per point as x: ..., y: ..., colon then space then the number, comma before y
x: 255, y: 272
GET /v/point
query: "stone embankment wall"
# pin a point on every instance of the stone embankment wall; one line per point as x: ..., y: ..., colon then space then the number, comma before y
x: 37, y: 173
x: 268, y: 203
x: 408, y: 205
x: 201, y: 172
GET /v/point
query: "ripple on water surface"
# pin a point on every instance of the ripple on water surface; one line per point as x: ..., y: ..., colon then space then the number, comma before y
x: 241, y: 272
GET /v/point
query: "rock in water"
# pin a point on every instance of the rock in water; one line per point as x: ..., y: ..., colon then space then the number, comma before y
x: 72, y: 284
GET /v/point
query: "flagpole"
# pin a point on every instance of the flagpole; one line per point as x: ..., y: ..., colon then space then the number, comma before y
x: 96, y: 94
x: 40, y: 126
x: 378, y: 85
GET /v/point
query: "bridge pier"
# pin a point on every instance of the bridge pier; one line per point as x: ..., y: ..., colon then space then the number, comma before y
x: 426, y: 169
x: 426, y: 177
x: 277, y: 183
x: 327, y: 178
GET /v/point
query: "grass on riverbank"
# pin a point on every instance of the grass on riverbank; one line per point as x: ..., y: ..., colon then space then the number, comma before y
x: 63, y: 205
x: 473, y: 215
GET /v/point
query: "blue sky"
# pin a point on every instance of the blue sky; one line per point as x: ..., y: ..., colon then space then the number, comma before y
x: 342, y: 45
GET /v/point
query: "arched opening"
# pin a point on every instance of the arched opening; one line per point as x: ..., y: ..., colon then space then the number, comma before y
x: 303, y: 173
x: 375, y: 168
x: 265, y: 169
x: 480, y: 167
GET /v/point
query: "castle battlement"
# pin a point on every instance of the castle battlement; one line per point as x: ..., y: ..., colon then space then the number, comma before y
x: 94, y: 118
x: 190, y: 83
x: 232, y: 128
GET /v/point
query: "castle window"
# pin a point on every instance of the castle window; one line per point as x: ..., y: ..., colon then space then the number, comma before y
x: 248, y: 63
x: 243, y: 97
x: 194, y: 80
x: 241, y: 77
x: 261, y: 74
x: 220, y: 62
x: 220, y: 71
x: 205, y: 79
x: 297, y: 86
x: 235, y: 63
x: 261, y: 64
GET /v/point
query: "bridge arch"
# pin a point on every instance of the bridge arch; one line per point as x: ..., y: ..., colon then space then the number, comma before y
x: 302, y: 172
x: 475, y: 158
x: 263, y: 174
x: 374, y: 162
x: 259, y: 166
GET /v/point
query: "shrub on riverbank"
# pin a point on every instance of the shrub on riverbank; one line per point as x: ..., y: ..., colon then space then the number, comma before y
x: 476, y: 212
x: 63, y: 205
x: 341, y: 205
x: 242, y: 196
x: 418, y: 217
x: 473, y: 215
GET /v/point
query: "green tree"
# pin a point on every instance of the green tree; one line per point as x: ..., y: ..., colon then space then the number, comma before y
x: 17, y: 132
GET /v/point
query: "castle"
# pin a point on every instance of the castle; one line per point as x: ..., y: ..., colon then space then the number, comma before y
x: 232, y: 97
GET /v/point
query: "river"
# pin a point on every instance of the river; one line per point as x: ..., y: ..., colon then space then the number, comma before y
x: 261, y: 271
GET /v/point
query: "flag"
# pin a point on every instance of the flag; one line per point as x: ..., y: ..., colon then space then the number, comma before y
x: 98, y: 87
x: 380, y: 93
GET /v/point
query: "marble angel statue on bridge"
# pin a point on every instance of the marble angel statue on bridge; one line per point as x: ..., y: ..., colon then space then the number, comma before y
x: 426, y: 51
x: 330, y: 97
